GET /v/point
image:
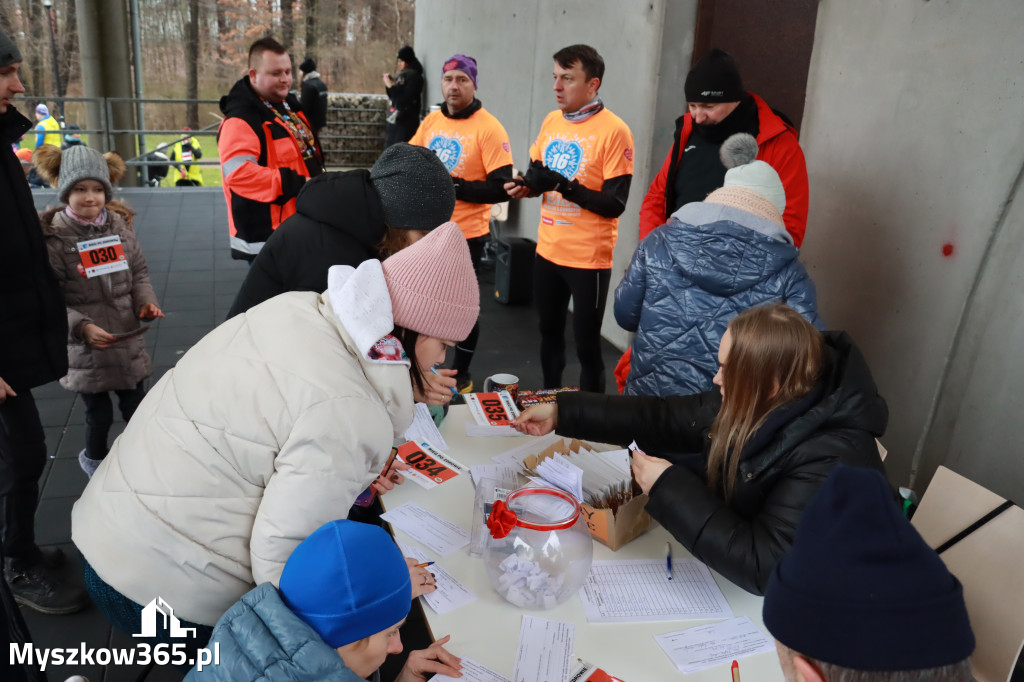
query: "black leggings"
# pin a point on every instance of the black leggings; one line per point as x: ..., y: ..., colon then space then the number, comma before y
x: 99, y: 416
x: 464, y: 349
x: 553, y: 286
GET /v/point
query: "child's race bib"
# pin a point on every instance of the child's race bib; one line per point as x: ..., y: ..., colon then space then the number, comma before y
x: 102, y: 256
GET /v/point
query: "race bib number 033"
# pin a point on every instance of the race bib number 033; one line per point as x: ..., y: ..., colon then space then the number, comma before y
x: 430, y: 466
x: 102, y: 256
x: 492, y: 409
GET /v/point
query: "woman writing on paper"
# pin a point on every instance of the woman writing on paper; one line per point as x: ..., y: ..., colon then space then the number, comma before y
x: 267, y: 428
x: 790, y: 403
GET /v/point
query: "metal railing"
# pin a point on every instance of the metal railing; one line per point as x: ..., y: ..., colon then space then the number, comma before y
x: 353, y: 135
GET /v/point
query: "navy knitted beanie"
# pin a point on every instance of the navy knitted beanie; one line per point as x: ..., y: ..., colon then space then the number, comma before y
x: 347, y: 581
x: 861, y: 589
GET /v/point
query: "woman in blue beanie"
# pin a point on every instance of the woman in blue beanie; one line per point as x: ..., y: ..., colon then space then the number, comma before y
x: 345, y: 591
x: 738, y: 464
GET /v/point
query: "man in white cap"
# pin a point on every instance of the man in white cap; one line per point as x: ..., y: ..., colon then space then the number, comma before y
x: 48, y: 129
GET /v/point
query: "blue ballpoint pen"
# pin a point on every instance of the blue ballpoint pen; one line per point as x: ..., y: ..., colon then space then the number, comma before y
x: 668, y: 559
x: 450, y: 388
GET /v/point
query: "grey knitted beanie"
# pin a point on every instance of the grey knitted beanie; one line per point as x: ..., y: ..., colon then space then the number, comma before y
x: 82, y: 163
x: 415, y: 188
x: 9, y: 53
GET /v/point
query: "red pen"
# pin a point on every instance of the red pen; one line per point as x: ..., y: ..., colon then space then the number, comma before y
x: 735, y: 671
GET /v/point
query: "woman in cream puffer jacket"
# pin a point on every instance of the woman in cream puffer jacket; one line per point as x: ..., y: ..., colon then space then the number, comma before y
x: 266, y: 429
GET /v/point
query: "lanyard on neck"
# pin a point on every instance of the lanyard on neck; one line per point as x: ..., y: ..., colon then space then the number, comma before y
x: 296, y: 127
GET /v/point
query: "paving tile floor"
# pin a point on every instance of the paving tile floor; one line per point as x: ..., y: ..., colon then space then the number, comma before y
x: 183, y: 233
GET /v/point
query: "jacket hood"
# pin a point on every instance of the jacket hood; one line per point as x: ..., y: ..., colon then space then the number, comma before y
x: 724, y: 250
x: 242, y: 98
x: 347, y: 202
x: 260, y: 638
x: 358, y: 298
x: 850, y: 400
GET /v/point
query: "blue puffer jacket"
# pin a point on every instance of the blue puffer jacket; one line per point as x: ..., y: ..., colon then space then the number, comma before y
x: 261, y: 639
x: 688, y: 279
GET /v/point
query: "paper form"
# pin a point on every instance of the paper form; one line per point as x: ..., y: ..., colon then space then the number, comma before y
x: 474, y: 430
x: 440, y: 535
x: 505, y: 474
x: 473, y: 671
x: 450, y: 593
x: 545, y: 650
x: 632, y: 590
x: 710, y: 645
x: 515, y: 456
x: 423, y: 428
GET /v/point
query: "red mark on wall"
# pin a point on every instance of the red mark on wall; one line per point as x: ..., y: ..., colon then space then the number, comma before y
x: 947, y: 249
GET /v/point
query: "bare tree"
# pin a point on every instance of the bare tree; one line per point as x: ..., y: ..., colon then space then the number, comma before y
x: 192, y: 65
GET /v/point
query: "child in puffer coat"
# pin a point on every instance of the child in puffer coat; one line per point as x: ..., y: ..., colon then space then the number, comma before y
x: 101, y: 269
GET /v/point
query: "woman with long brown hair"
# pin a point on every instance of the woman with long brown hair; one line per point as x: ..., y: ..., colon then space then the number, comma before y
x: 738, y: 464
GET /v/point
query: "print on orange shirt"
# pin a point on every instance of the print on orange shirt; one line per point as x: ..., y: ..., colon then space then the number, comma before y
x: 592, y: 151
x: 469, y: 148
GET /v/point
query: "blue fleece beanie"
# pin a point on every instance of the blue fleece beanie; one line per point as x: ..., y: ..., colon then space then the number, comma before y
x: 347, y: 581
x: 861, y: 589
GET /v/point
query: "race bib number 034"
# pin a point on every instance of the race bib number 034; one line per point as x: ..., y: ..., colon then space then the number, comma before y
x: 430, y: 466
x: 492, y: 409
x: 102, y: 256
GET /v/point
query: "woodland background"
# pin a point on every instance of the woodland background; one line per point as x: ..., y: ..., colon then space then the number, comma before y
x: 197, y: 49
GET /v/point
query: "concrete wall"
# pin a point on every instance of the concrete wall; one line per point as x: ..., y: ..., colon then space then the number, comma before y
x: 914, y: 142
x: 513, y: 44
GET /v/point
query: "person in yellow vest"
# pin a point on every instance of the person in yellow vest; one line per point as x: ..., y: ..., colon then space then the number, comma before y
x: 474, y: 147
x: 183, y: 153
x: 48, y: 125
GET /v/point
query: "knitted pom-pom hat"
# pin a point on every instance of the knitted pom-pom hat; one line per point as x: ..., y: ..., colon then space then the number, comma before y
x: 347, y: 581
x: 750, y: 185
x: 433, y: 285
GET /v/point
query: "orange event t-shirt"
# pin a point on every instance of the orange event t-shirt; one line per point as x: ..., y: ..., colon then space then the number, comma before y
x: 592, y: 151
x: 469, y: 148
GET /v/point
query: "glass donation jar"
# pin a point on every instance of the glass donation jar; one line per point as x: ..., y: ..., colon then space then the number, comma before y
x: 539, y: 551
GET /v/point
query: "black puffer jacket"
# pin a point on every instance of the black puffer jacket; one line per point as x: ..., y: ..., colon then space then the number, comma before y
x: 790, y: 459
x: 33, y: 321
x: 339, y: 221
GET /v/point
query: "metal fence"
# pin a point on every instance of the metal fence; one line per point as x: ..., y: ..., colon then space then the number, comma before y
x: 353, y: 136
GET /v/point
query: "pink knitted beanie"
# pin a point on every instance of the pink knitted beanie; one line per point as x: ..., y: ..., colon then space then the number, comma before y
x: 433, y: 286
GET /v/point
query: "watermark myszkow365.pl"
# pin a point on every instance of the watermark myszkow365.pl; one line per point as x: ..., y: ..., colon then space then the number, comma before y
x: 156, y: 615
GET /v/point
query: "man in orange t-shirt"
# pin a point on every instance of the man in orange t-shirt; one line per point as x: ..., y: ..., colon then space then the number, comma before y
x: 474, y: 147
x: 582, y: 162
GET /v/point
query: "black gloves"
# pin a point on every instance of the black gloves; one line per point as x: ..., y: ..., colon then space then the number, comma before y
x: 458, y: 182
x: 539, y: 178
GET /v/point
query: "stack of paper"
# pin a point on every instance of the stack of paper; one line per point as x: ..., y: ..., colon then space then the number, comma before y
x: 601, y: 479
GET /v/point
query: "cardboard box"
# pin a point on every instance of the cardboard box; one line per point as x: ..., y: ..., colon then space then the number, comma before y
x: 614, y: 529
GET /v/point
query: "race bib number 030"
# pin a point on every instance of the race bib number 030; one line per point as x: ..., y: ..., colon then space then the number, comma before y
x: 102, y: 256
x: 492, y: 409
x: 430, y: 466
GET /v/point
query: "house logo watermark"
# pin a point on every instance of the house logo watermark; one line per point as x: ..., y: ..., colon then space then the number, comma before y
x: 159, y: 610
x: 157, y: 617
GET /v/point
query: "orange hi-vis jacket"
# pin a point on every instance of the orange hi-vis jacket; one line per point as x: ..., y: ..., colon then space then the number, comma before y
x: 262, y: 166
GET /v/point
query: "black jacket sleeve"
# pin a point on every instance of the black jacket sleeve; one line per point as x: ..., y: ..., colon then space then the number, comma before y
x: 744, y: 550
x: 489, y: 191
x: 405, y: 92
x: 678, y: 424
x: 610, y: 202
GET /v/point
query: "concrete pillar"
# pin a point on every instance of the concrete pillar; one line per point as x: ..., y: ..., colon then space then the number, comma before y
x: 106, y: 71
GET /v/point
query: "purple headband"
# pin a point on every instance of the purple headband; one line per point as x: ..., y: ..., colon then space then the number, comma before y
x: 463, y: 63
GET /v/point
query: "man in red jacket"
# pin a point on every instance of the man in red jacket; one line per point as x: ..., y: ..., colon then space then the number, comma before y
x: 718, y: 106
